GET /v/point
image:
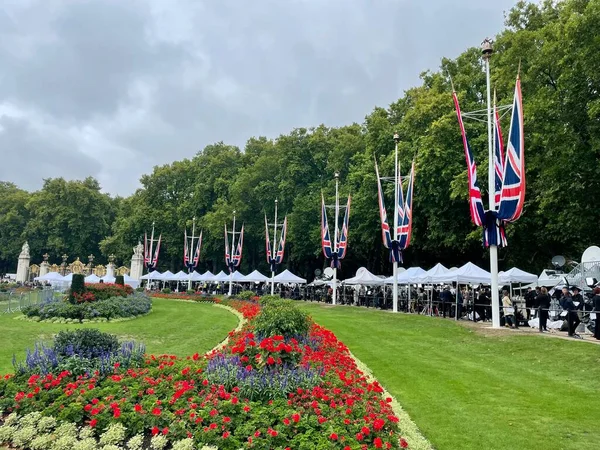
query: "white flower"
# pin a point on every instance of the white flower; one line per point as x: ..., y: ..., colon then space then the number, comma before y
x: 115, y: 434
x: 158, y: 442
x: 136, y: 442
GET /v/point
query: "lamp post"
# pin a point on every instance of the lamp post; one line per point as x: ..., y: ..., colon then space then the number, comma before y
x: 90, y: 263
x: 396, y: 196
x: 335, y: 236
x: 486, y: 52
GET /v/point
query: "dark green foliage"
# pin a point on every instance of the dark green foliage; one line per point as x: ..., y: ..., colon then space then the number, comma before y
x: 190, y: 292
x: 111, y: 308
x: 245, y: 295
x: 266, y: 300
x: 88, y: 341
x: 166, y: 291
x: 282, y: 319
x: 120, y: 280
x: 77, y: 287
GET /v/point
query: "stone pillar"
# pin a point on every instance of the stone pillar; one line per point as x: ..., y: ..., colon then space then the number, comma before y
x: 110, y: 270
x: 137, y: 262
x: 23, y: 264
x: 44, y: 266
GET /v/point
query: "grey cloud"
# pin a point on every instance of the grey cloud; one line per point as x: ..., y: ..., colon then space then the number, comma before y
x: 215, y: 70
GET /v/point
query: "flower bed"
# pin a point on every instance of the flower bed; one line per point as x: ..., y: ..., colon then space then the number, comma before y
x: 104, y: 291
x: 279, y: 391
x: 111, y: 308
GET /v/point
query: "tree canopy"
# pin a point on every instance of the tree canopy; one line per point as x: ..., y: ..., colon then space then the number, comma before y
x: 555, y: 45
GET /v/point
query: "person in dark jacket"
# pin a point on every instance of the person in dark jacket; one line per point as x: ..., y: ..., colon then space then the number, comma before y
x: 577, y: 298
x: 572, y: 317
x: 596, y: 303
x: 529, y: 302
x: 543, y: 302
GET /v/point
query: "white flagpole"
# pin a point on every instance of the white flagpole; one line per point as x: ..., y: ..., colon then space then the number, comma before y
x: 487, y: 53
x: 151, y: 252
x: 231, y: 256
x: 335, y: 238
x: 396, y: 196
x: 192, y: 255
x: 274, y: 255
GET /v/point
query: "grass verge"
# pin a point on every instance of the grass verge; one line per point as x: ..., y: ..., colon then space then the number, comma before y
x: 472, y: 391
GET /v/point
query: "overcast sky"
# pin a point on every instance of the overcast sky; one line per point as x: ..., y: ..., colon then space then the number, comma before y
x: 111, y: 88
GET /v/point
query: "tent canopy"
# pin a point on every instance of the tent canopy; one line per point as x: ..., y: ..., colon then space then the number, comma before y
x: 288, y: 277
x: 93, y: 278
x: 364, y: 277
x: 238, y: 276
x: 256, y: 277
x: 154, y: 275
x: 181, y: 276
x: 516, y: 275
x: 220, y: 277
x: 50, y: 276
x: 469, y: 273
x: 408, y: 276
x: 206, y: 276
x: 437, y: 270
x: 166, y: 276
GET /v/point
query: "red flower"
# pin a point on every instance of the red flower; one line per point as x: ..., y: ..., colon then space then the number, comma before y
x: 296, y: 417
x: 137, y: 407
x: 246, y: 408
x: 225, y: 434
x: 156, y: 411
x: 93, y: 423
x: 165, y: 431
x: 286, y: 421
x: 378, y: 424
x: 403, y: 443
x: 333, y: 436
x: 377, y: 442
x: 155, y: 431
x: 116, y: 413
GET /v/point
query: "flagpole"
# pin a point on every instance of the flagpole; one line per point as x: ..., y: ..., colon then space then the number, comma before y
x: 487, y: 51
x: 274, y: 255
x: 151, y: 253
x: 191, y: 259
x: 396, y: 195
x: 232, y: 250
x: 335, y: 238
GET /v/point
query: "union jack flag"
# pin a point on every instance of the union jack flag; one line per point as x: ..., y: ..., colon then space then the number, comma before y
x: 233, y: 259
x: 475, y: 201
x: 342, y: 245
x: 197, y: 252
x: 278, y: 257
x: 147, y: 256
x: 150, y: 258
x: 513, y: 181
x: 386, y: 236
x: 154, y: 261
x: 325, y: 236
x: 405, y: 229
x: 227, y: 253
x: 498, y: 157
x: 186, y: 253
x: 237, y: 256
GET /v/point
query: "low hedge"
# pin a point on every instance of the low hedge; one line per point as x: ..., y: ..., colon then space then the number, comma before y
x: 111, y: 308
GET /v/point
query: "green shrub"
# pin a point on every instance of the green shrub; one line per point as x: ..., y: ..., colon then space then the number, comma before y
x: 190, y: 292
x: 246, y: 295
x: 86, y: 341
x: 139, y: 289
x: 166, y: 291
x: 77, y: 287
x: 103, y: 291
x: 120, y: 280
x: 266, y: 300
x: 282, y: 318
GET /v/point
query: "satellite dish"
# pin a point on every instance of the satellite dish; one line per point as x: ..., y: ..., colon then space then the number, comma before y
x: 317, y: 272
x: 591, y: 254
x: 558, y: 261
x: 328, y: 272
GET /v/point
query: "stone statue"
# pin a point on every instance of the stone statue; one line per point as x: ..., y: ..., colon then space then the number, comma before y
x: 138, y: 250
x: 25, y: 251
x: 23, y: 264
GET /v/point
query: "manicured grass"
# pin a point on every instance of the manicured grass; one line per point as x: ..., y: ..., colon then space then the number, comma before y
x: 467, y: 390
x: 173, y: 327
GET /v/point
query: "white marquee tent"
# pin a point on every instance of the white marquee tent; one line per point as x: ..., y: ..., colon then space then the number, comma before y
x: 516, y: 275
x: 256, y: 277
x: 426, y: 278
x: 93, y: 278
x: 206, y: 276
x: 154, y: 275
x: 288, y: 277
x: 469, y: 273
x: 364, y: 277
x: 220, y: 277
x: 238, y: 277
x: 166, y: 276
x: 409, y: 276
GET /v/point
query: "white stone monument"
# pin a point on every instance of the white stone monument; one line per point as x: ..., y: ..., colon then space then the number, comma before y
x: 44, y: 266
x: 137, y: 262
x: 23, y: 265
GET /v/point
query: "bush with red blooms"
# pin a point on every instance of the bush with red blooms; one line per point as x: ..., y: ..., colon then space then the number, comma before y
x: 103, y: 291
x: 342, y: 410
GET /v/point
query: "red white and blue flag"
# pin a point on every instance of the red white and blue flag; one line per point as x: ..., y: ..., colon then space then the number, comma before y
x: 195, y: 258
x: 325, y: 235
x: 275, y: 260
x: 386, y: 235
x: 151, y: 257
x: 336, y: 251
x: 405, y: 228
x: 475, y: 201
x: 513, y: 181
x: 498, y: 157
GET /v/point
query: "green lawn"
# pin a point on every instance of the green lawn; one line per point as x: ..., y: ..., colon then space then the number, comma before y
x: 173, y: 327
x: 466, y: 390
